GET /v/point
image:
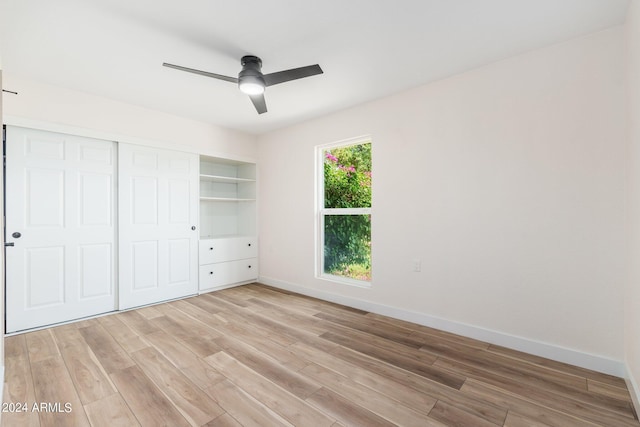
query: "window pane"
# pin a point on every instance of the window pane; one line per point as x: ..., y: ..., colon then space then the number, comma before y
x: 347, y: 246
x: 347, y: 177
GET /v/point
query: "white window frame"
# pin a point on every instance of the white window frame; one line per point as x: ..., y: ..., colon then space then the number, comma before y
x: 322, y: 212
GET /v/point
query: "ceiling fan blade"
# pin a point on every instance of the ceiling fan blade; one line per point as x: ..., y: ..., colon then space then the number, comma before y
x: 202, y: 73
x: 259, y: 103
x: 293, y: 74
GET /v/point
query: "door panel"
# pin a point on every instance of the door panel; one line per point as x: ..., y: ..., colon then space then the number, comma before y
x: 60, y: 198
x: 145, y: 265
x: 44, y: 281
x: 95, y: 199
x: 90, y: 153
x: 144, y: 198
x: 179, y: 258
x: 44, y: 145
x: 179, y: 209
x: 94, y: 273
x: 45, y: 197
x: 157, y: 204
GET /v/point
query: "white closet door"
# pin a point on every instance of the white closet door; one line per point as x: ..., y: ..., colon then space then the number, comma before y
x: 158, y: 243
x: 60, y: 216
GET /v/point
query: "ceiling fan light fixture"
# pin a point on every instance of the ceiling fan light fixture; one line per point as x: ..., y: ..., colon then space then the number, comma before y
x: 251, y: 87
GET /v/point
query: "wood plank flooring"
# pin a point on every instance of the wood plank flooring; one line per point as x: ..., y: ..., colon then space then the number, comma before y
x: 258, y: 356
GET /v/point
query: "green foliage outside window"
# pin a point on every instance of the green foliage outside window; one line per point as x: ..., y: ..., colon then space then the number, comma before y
x: 347, y: 238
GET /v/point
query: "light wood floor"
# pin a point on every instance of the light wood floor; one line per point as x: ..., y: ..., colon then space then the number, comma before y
x: 256, y: 356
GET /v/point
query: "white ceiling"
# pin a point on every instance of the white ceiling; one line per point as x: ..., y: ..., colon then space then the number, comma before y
x: 367, y: 48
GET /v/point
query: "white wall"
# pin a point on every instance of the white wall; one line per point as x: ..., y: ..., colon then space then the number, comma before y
x: 632, y: 297
x: 38, y: 103
x: 507, y: 182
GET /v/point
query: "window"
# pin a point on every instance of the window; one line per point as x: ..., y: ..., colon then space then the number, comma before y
x: 344, y: 220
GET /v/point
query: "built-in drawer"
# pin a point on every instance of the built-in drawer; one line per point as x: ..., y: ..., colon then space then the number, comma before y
x: 228, y: 273
x: 227, y: 249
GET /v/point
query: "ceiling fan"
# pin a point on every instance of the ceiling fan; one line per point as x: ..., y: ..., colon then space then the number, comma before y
x: 252, y: 82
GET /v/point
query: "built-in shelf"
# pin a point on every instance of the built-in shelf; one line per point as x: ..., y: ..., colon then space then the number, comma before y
x: 224, y: 179
x: 225, y: 199
x: 228, y: 239
x: 223, y: 236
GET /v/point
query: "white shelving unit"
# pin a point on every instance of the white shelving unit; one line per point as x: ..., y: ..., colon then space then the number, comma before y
x: 228, y: 237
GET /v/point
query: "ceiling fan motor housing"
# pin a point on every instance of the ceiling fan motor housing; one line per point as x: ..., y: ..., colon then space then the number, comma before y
x: 251, y: 71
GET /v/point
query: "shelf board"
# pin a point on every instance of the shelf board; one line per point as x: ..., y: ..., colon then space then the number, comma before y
x: 226, y: 236
x: 224, y: 179
x: 224, y: 199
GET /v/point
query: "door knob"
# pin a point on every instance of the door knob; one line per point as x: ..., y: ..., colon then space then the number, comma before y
x: 193, y: 227
x: 16, y: 235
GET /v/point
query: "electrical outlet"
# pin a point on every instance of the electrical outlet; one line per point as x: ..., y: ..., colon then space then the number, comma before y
x: 417, y: 265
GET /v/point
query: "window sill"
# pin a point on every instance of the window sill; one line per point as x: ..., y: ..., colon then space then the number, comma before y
x: 344, y: 281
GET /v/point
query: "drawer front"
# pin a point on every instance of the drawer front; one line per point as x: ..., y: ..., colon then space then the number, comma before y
x: 215, y: 250
x: 246, y: 269
x: 245, y: 247
x: 227, y: 249
x: 227, y: 273
x: 215, y: 275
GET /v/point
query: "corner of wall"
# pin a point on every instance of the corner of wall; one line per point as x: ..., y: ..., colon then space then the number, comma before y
x: 632, y: 297
x: 634, y: 390
x: 1, y: 270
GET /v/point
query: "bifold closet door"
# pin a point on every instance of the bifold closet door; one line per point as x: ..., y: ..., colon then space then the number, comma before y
x: 158, y: 211
x: 60, y: 227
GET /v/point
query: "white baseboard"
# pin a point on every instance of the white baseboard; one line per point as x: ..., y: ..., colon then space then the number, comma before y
x: 549, y: 351
x: 219, y: 288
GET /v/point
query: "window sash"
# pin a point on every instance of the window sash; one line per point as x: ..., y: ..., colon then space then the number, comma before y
x: 322, y: 274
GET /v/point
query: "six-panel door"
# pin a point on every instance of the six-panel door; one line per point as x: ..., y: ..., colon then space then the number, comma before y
x: 60, y: 218
x: 158, y: 208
